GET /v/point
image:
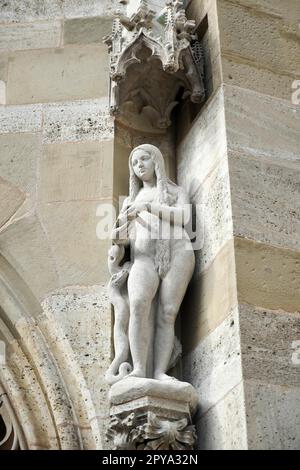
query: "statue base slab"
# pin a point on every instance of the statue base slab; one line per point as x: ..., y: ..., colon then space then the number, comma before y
x: 148, y: 414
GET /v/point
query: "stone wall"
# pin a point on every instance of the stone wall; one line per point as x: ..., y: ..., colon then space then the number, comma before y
x: 210, y: 319
x: 260, y: 60
x: 254, y: 46
x: 56, y: 167
x: 239, y: 160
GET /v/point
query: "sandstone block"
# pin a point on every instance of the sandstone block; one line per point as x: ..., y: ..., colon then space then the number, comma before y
x: 19, y: 155
x: 214, y: 366
x: 210, y: 299
x: 71, y: 230
x: 49, y: 75
x: 20, y: 118
x: 273, y: 416
x: 37, y: 35
x: 77, y: 121
x: 267, y: 337
x: 76, y: 171
x: 261, y: 125
x: 267, y: 276
x: 223, y: 427
x: 86, y: 30
x: 265, y: 199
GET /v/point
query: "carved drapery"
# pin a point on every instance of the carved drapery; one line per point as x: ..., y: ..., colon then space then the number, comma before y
x: 151, y: 58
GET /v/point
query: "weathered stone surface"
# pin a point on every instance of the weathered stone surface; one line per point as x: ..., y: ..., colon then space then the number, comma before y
x: 267, y: 276
x: 204, y: 146
x: 266, y: 338
x: 86, y: 30
x: 216, y: 215
x: 70, y: 73
x: 11, y: 199
x: 25, y: 246
x: 19, y: 155
x: 37, y: 35
x: 274, y: 134
x: 71, y: 230
x: 20, y: 118
x: 77, y: 121
x: 223, y: 427
x: 273, y: 8
x: 272, y: 416
x: 210, y: 299
x: 54, y: 388
x: 203, y: 172
x: 3, y: 66
x: 27, y: 397
x: 214, y: 366
x: 84, y: 315
x: 3, y: 77
x: 87, y: 8
x: 249, y: 33
x: 121, y: 172
x: 240, y: 72
x: 73, y: 378
x: 133, y: 388
x: 14, y: 11
x: 76, y: 171
x: 265, y: 196
x: 2, y: 92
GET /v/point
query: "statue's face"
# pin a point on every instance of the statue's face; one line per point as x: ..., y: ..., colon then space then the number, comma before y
x: 143, y: 165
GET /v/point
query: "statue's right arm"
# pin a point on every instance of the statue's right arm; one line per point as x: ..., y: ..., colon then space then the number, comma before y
x: 119, y: 233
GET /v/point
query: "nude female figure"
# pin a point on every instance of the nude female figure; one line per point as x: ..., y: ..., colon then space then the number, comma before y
x: 162, y: 259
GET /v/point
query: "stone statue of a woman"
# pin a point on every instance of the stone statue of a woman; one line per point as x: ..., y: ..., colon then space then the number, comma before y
x: 152, y: 225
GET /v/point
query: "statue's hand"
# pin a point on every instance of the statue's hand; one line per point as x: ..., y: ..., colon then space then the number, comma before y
x: 135, y: 209
x: 121, y: 233
x: 122, y: 219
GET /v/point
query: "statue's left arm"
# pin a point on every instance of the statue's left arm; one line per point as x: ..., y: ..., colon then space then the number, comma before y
x: 179, y: 214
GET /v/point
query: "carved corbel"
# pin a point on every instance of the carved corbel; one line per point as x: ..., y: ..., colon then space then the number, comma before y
x: 154, y: 433
x: 144, y: 85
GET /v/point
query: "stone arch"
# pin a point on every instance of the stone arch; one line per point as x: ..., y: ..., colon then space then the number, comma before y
x: 36, y: 398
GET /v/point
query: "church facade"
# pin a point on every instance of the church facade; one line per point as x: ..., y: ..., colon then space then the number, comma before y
x: 215, y: 86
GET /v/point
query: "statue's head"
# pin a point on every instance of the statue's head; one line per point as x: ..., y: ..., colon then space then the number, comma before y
x: 143, y: 165
x: 145, y: 162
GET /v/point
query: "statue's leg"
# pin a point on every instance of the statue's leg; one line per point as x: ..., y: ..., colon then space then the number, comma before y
x: 172, y: 291
x: 142, y: 285
x: 121, y: 343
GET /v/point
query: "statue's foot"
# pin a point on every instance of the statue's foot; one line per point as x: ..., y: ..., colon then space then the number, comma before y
x: 137, y: 373
x: 161, y: 376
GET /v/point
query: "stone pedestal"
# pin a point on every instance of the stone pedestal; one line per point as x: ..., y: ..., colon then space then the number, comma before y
x: 148, y: 414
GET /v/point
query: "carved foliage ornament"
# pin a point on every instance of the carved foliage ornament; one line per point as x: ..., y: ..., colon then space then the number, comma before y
x: 173, y: 51
x: 156, y: 434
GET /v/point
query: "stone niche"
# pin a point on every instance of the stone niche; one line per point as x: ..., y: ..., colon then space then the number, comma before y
x: 156, y: 63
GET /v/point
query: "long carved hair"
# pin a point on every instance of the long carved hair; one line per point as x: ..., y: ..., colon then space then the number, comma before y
x: 162, y: 257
